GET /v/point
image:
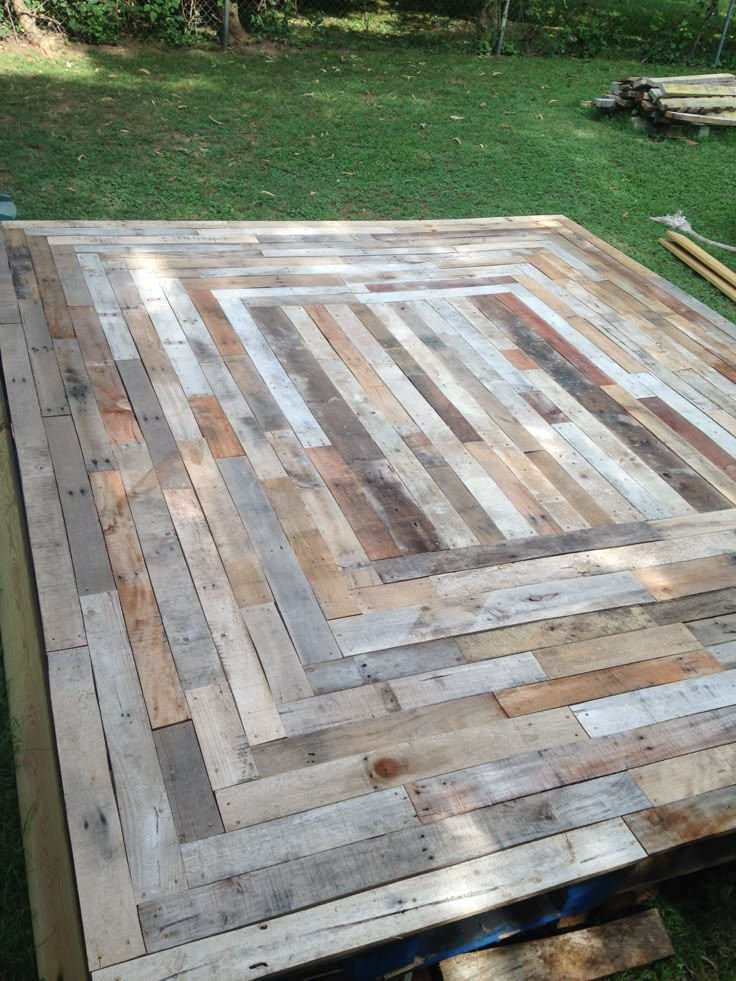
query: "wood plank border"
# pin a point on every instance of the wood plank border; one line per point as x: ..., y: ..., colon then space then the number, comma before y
x: 57, y: 928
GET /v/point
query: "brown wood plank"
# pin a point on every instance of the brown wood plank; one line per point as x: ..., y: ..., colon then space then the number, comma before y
x: 162, y: 690
x: 608, y: 681
x: 672, y: 825
x: 215, y: 427
x: 50, y: 289
x: 581, y: 955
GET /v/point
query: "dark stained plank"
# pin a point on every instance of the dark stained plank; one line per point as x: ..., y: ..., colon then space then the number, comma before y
x: 518, y: 550
x: 49, y: 288
x: 150, y: 416
x: 86, y: 543
x: 344, y: 429
x: 465, y: 504
x: 193, y: 805
x: 350, y: 494
x: 407, y: 524
x: 698, y: 439
x: 558, y: 343
x: 257, y: 394
x: 681, y: 477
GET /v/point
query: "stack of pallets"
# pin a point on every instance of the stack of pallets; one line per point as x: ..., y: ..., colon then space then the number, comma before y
x: 701, y: 100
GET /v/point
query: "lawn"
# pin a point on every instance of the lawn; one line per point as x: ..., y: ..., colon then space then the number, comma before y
x: 273, y: 133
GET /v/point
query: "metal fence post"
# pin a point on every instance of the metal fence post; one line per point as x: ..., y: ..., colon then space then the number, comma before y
x: 225, y: 24
x: 724, y: 34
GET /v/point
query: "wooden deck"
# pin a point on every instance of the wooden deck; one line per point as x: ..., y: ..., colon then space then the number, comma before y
x: 386, y: 573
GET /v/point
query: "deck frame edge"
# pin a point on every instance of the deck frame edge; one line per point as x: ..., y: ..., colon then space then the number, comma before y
x: 57, y: 927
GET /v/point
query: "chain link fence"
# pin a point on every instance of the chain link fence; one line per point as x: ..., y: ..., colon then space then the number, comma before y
x: 265, y: 17
x: 582, y: 28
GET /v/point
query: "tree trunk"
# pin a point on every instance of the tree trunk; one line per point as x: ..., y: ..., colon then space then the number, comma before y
x: 25, y: 18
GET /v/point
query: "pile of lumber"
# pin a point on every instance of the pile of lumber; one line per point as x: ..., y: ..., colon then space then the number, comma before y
x: 701, y: 100
x: 702, y: 262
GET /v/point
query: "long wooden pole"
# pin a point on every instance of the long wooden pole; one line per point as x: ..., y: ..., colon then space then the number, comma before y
x: 705, y: 257
x: 700, y: 268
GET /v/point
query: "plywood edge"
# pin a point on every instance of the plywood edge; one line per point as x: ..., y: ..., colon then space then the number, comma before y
x: 54, y: 905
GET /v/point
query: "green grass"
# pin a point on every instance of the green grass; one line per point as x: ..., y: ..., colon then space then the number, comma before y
x: 321, y: 134
x: 325, y: 134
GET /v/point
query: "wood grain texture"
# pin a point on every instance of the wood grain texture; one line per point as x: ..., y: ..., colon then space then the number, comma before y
x: 387, y: 571
x: 581, y: 955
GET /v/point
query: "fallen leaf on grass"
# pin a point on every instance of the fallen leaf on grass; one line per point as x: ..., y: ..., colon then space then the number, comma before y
x: 144, y: 71
x: 269, y: 194
x: 539, y: 116
x: 496, y: 74
x: 219, y: 123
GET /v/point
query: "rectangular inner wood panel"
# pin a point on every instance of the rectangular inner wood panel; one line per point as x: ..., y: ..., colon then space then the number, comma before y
x: 386, y: 571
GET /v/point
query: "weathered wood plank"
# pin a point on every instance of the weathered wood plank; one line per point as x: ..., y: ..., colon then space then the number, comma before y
x: 687, y: 776
x: 86, y: 543
x: 418, y: 756
x: 353, y: 867
x: 528, y: 773
x: 555, y: 598
x: 472, y: 887
x: 210, y: 701
x: 244, y: 673
x: 151, y: 843
x: 61, y: 614
x: 159, y: 680
x: 304, y: 620
x: 111, y: 929
x: 581, y: 955
x: 671, y: 825
x: 59, y: 946
x: 607, y: 681
x: 290, y: 838
x: 193, y: 807
x: 617, y: 713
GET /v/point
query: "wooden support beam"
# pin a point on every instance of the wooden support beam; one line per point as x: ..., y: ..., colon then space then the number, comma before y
x: 53, y: 899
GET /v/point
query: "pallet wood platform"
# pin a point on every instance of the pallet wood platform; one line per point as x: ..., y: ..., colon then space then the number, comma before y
x: 386, y: 573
